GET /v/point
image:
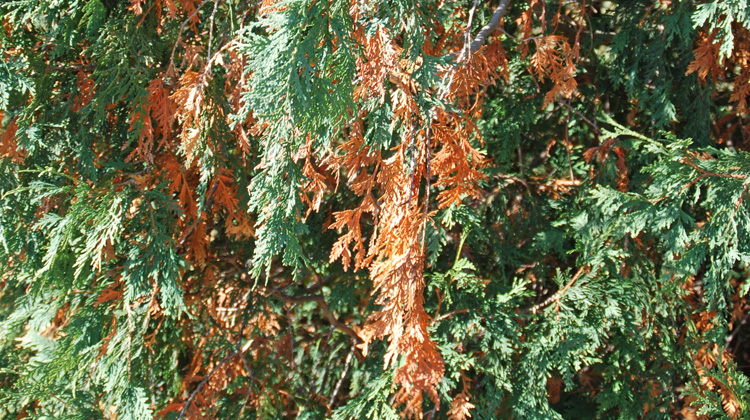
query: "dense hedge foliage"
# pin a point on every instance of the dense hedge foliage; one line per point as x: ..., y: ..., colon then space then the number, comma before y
x: 374, y: 209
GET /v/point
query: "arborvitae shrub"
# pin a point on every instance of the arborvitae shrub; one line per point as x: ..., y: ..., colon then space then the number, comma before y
x: 374, y: 209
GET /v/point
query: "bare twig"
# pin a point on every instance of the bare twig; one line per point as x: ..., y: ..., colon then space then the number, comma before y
x: 514, y: 179
x: 203, y: 382
x: 466, y: 50
x: 211, y: 37
x: 206, y: 206
x: 450, y: 314
x: 556, y: 297
x: 706, y: 174
x: 323, y: 307
x: 736, y: 330
x: 742, y: 197
x: 589, y: 122
x: 182, y: 28
x: 347, y: 363
x: 568, y: 145
x: 75, y: 67
x: 487, y: 30
x: 431, y: 414
x: 494, y: 23
x: 471, y: 47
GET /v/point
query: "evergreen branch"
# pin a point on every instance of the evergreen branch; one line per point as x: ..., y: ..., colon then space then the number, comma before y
x: 79, y: 239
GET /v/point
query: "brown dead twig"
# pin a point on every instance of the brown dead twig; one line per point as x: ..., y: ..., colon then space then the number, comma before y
x: 556, y: 297
x: 327, y: 314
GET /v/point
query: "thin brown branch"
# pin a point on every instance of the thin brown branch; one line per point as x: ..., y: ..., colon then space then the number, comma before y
x: 514, y: 179
x: 486, y: 31
x: 76, y: 67
x: 466, y: 51
x: 568, y: 145
x: 182, y: 28
x: 470, y: 47
x: 586, y: 120
x: 327, y: 314
x: 206, y: 206
x: 450, y: 314
x: 742, y: 197
x: 706, y: 174
x: 211, y: 37
x: 556, y: 297
x: 347, y: 364
x: 203, y: 383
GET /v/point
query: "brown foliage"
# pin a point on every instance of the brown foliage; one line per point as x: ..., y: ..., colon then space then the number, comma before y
x: 8, y: 146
